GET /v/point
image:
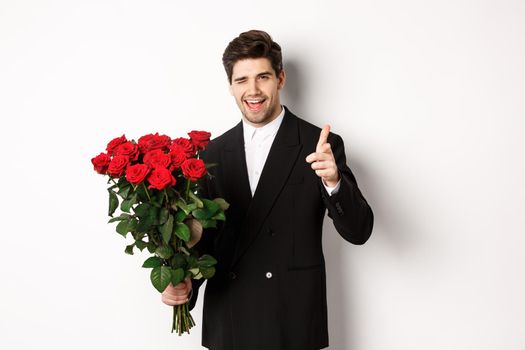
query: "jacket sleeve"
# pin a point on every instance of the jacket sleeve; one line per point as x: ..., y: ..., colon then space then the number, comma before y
x: 351, y: 214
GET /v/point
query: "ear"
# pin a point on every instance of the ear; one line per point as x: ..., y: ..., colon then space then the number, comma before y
x: 282, y: 79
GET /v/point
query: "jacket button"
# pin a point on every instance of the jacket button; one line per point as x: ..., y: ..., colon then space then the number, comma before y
x: 233, y: 275
x: 268, y: 275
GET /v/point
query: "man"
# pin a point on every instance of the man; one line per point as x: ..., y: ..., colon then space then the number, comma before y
x: 279, y: 173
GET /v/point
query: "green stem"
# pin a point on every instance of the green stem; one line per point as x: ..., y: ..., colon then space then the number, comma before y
x: 179, y: 323
x: 188, y: 182
x: 173, y: 320
x: 167, y: 198
x: 147, y: 192
x: 182, y: 319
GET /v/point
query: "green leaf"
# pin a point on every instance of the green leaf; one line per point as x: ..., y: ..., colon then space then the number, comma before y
x: 201, y: 214
x: 192, y: 262
x: 122, y: 182
x: 163, y: 216
x: 222, y: 203
x: 154, y: 213
x: 151, y: 247
x: 140, y: 235
x: 124, y: 191
x: 208, y: 223
x: 145, y: 222
x: 178, y: 260
x: 152, y: 262
x: 128, y: 203
x: 132, y: 225
x: 113, y: 202
x: 207, y: 272
x: 119, y: 218
x: 122, y: 227
x: 141, y: 244
x: 219, y: 216
x: 157, y: 198
x: 180, y: 216
x: 177, y: 276
x: 142, y: 209
x: 182, y: 205
x: 206, y: 261
x: 165, y: 252
x: 167, y: 229
x: 212, y: 206
x: 129, y: 249
x: 196, y: 200
x: 160, y: 277
x: 182, y: 231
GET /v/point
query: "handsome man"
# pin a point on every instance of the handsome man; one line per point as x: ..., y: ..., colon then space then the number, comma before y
x: 279, y: 173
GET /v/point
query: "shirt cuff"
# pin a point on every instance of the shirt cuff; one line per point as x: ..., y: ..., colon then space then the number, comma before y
x: 332, y: 190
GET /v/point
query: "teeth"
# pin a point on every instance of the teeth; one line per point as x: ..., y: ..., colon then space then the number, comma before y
x: 254, y: 101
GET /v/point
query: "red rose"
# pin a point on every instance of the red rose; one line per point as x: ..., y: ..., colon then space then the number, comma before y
x: 185, y: 144
x: 135, y: 174
x: 100, y: 163
x: 178, y: 156
x: 128, y: 149
x: 157, y: 159
x: 150, y: 142
x: 160, y: 178
x: 113, y: 144
x: 200, y: 139
x: 118, y: 165
x: 193, y: 169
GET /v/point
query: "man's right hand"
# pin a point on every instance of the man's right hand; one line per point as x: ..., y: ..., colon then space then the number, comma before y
x: 177, y: 295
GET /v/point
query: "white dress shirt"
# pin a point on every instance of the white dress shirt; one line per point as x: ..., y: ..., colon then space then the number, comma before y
x: 257, y: 144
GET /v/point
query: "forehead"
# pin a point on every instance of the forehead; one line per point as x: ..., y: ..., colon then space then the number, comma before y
x: 251, y: 67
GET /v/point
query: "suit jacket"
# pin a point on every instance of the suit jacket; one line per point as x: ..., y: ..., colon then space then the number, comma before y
x: 269, y: 289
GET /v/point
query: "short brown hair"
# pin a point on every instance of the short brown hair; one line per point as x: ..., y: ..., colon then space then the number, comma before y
x: 252, y: 44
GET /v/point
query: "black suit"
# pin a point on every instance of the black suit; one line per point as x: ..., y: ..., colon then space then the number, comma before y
x: 269, y: 291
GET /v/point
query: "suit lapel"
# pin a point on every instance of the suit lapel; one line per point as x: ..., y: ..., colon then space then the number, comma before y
x: 281, y: 159
x: 233, y: 159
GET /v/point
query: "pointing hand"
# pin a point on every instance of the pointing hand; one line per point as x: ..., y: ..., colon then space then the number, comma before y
x: 323, y: 161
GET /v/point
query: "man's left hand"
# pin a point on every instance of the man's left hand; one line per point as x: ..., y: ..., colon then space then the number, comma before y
x: 323, y: 161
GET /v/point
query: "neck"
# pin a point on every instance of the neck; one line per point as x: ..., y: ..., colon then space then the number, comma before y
x: 274, y: 116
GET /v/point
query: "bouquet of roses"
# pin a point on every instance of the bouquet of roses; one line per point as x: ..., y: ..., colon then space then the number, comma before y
x: 156, y: 180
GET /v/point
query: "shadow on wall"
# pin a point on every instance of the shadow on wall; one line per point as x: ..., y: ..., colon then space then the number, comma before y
x: 294, y: 88
x: 338, y: 319
x: 342, y: 322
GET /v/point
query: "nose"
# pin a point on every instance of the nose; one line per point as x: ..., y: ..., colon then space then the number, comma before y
x: 253, y: 87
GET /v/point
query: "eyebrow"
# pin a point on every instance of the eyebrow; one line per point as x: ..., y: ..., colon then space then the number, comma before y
x: 259, y: 75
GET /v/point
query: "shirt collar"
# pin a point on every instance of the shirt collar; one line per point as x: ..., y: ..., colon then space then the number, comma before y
x: 269, y: 129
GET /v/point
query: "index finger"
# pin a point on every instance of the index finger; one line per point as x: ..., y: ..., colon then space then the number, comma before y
x: 323, y: 137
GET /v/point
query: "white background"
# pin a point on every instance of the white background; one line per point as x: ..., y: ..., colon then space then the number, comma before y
x: 428, y: 96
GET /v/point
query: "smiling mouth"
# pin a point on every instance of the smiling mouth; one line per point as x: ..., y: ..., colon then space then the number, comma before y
x: 254, y: 104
